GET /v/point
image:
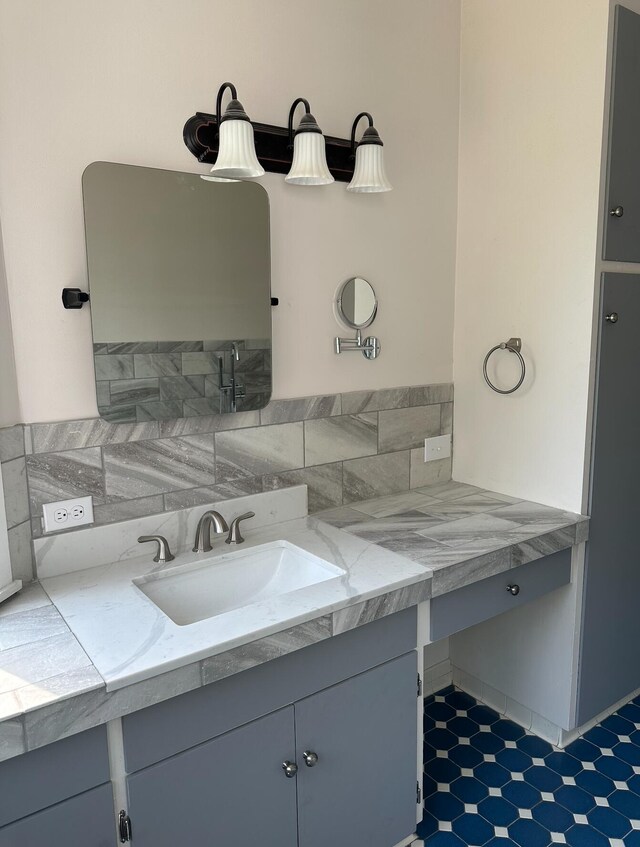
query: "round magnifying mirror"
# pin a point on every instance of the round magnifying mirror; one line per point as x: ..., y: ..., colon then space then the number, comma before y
x: 357, y: 303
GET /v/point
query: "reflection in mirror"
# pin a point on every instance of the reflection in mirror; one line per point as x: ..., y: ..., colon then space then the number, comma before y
x: 357, y: 303
x: 179, y: 275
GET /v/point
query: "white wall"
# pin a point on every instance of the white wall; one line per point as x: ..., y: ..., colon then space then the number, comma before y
x: 9, y: 403
x: 532, y: 95
x: 83, y: 81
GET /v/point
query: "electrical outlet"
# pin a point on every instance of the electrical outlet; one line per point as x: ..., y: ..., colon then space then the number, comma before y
x: 67, y: 514
x: 437, y: 448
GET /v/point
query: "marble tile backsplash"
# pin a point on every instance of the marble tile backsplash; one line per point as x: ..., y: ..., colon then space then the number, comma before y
x: 344, y: 447
x: 16, y: 499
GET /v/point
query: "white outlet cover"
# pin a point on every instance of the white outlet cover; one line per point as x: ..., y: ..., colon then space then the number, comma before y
x: 67, y: 514
x: 437, y: 448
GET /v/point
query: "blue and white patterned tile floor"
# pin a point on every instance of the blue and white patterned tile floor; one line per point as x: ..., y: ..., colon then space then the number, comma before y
x: 489, y: 782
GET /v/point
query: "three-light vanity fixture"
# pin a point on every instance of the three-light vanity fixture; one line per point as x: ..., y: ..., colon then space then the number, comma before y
x: 241, y: 149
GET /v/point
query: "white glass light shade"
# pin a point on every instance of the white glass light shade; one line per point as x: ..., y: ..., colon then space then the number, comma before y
x: 237, y: 153
x: 369, y: 175
x: 309, y: 165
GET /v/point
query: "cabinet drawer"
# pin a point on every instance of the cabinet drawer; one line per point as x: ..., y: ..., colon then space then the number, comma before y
x: 53, y: 773
x: 165, y: 729
x: 482, y: 600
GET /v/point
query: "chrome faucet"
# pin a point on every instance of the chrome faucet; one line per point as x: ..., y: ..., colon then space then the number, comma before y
x: 234, y: 536
x: 164, y: 553
x: 203, y: 532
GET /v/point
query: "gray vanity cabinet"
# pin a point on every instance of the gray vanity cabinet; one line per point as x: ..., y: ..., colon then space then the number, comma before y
x: 362, y: 790
x: 231, y: 790
x: 59, y: 795
x: 207, y: 767
x: 622, y: 226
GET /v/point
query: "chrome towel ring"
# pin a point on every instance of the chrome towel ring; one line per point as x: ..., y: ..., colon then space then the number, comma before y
x: 513, y: 345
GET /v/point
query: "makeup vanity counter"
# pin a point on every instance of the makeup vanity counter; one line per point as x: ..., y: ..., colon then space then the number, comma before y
x: 111, y: 652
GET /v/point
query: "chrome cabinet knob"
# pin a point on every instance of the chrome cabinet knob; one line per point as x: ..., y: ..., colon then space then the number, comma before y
x: 617, y: 212
x: 290, y: 769
x: 513, y: 589
x: 310, y: 758
x: 612, y: 318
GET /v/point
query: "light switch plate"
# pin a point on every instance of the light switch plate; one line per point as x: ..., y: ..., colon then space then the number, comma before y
x: 437, y: 448
x: 67, y: 514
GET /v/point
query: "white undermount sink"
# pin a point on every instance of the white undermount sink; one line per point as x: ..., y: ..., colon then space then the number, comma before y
x: 230, y: 581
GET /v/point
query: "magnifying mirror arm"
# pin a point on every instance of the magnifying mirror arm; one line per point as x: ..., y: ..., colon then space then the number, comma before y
x: 370, y: 347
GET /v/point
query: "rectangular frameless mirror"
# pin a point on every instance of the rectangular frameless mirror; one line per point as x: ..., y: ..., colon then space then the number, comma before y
x: 179, y: 275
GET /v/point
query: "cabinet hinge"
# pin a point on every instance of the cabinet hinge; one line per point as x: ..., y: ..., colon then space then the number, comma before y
x: 418, y: 794
x: 419, y: 686
x: 124, y: 827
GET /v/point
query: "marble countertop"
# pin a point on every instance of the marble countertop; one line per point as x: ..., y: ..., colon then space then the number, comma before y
x: 101, y: 649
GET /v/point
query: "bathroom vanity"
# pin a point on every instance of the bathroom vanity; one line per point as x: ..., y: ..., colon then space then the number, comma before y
x: 294, y: 719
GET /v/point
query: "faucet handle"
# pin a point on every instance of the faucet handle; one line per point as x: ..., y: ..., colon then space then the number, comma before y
x: 235, y: 536
x: 164, y: 553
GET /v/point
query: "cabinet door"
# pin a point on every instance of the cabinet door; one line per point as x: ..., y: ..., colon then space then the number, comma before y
x: 87, y: 820
x: 363, y: 788
x: 622, y: 233
x: 610, y: 655
x: 228, y: 791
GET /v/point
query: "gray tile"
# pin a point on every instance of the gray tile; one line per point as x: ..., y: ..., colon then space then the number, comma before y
x: 128, y: 509
x: 220, y: 344
x: 543, y: 545
x: 356, y: 402
x: 212, y: 493
x: 301, y: 409
x: 450, y: 490
x: 100, y: 348
x: 211, y: 423
x: 30, y: 597
x: 411, y: 545
x: 12, y: 738
x: 446, y: 419
x: 132, y: 347
x: 128, y: 392
x: 380, y: 607
x: 342, y: 518
x: 258, y: 451
x: 426, y: 395
x: 70, y: 435
x: 16, y: 499
x: 157, y: 364
x: 405, y: 429
x: 181, y: 387
x: 144, y: 468
x: 200, y: 363
x: 535, y: 515
x: 479, y: 528
x: 158, y: 410
x: 20, y: 552
x: 425, y: 474
x: 103, y: 392
x: 266, y: 649
x: 59, y: 476
x: 395, y: 504
x: 29, y: 626
x: 179, y: 346
x: 114, y: 367
x: 582, y: 531
x: 364, y: 479
x: 118, y: 414
x: 463, y: 507
x: 451, y: 575
x: 11, y: 442
x: 250, y: 360
x: 199, y: 406
x: 341, y: 437
x: 324, y: 483
x: 62, y: 686
x: 41, y: 659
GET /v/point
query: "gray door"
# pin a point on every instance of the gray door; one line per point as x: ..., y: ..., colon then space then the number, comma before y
x: 87, y: 820
x: 610, y: 656
x: 229, y: 791
x: 362, y: 791
x: 622, y: 234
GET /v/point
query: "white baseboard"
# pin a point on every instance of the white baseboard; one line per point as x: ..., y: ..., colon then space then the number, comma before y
x: 436, y: 677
